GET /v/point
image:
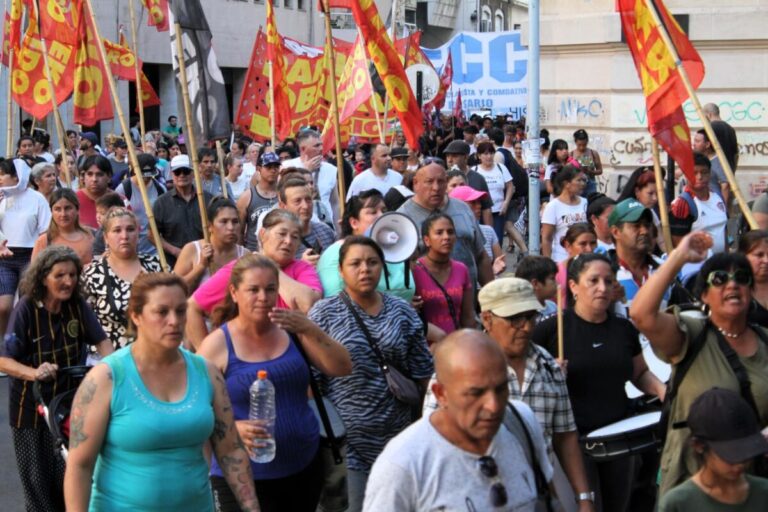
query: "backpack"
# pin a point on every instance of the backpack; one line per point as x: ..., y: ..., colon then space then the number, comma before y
x: 519, y: 176
x: 128, y: 188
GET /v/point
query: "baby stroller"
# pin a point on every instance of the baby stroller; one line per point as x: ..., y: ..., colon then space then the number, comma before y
x: 56, y: 413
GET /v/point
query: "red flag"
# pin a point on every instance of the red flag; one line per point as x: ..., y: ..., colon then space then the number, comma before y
x: 61, y: 20
x: 458, y: 111
x: 148, y: 94
x: 158, y: 14
x: 276, y: 55
x: 91, y: 99
x: 6, y: 39
x: 388, y: 65
x: 662, y: 84
x: 15, y: 14
x: 121, y: 60
x: 446, y: 78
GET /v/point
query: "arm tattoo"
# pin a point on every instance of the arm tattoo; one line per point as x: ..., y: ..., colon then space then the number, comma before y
x: 219, y: 430
x: 84, y: 398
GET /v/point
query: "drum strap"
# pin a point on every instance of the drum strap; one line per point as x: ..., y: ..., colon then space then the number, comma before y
x: 319, y: 402
x: 520, y: 431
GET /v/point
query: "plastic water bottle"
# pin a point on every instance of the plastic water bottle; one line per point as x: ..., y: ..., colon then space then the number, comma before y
x: 263, y: 410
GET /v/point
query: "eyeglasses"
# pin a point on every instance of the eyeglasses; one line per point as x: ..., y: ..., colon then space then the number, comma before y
x: 182, y: 170
x: 720, y: 278
x: 517, y: 321
x: 489, y: 469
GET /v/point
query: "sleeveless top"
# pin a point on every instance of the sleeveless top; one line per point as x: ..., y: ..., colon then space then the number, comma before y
x: 297, y: 432
x: 207, y: 274
x: 152, y: 455
x: 258, y: 205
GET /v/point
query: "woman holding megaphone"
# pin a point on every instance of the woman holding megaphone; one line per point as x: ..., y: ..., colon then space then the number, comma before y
x: 360, y: 213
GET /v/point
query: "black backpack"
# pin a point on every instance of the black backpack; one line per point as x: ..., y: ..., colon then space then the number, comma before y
x: 519, y: 175
x: 128, y: 188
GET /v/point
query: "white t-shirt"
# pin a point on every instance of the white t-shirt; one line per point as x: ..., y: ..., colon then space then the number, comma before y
x: 712, y: 219
x: 248, y: 171
x: 496, y: 178
x: 239, y: 186
x: 24, y: 216
x: 419, y: 470
x: 562, y: 216
x: 367, y: 180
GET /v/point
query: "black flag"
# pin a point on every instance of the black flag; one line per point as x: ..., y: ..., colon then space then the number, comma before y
x: 205, y: 83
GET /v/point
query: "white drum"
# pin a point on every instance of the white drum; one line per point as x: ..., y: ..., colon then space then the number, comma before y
x: 623, y: 438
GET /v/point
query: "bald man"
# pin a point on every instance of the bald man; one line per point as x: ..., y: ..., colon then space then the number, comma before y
x: 460, y: 457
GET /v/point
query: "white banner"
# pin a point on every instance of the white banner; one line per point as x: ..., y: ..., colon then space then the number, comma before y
x: 490, y: 69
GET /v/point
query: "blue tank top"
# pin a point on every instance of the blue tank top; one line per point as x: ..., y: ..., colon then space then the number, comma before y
x: 152, y: 455
x: 297, y: 433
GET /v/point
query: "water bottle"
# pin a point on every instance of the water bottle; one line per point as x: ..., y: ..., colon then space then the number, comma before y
x: 262, y: 410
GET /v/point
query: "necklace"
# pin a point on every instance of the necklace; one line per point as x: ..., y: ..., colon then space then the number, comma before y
x: 732, y: 335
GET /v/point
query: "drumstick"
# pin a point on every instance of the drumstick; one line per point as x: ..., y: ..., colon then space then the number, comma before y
x: 560, y: 353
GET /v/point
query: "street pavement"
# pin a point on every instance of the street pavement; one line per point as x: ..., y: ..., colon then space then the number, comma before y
x: 11, y: 495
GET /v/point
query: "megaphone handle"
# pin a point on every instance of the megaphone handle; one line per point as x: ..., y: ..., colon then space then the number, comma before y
x: 407, y: 275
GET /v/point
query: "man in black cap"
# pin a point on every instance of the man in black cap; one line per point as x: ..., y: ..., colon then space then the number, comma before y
x: 400, y: 164
x: 725, y: 437
x: 119, y: 162
x: 456, y: 154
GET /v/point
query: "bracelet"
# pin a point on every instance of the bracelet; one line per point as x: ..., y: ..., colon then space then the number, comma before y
x: 586, y: 496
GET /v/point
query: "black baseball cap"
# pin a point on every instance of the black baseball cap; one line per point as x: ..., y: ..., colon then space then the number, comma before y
x: 727, y: 423
x: 457, y: 147
x: 399, y: 153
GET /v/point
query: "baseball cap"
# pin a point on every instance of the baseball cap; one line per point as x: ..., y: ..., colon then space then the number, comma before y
x: 180, y: 162
x: 147, y: 164
x: 457, y: 147
x: 396, y: 196
x: 269, y: 159
x: 398, y: 153
x: 90, y: 137
x: 508, y: 296
x: 467, y: 194
x: 629, y: 210
x: 727, y: 423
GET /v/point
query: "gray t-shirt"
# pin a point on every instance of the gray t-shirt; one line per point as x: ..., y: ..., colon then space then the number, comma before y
x: 470, y: 241
x: 421, y: 470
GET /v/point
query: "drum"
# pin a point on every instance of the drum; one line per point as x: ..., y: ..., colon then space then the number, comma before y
x: 624, y: 438
x: 658, y: 367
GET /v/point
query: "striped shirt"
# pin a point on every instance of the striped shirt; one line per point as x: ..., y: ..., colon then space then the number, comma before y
x: 371, y: 414
x: 631, y: 286
x: 36, y: 336
x: 544, y: 390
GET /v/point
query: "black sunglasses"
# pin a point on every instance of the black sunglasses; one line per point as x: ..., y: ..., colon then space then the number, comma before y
x: 720, y: 278
x: 182, y: 170
x: 489, y: 469
x: 517, y: 321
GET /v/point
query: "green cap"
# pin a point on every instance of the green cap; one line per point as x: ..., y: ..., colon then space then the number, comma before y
x: 629, y: 210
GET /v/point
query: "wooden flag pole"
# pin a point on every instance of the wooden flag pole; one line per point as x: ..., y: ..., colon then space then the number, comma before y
x: 272, y: 120
x: 335, y: 107
x: 132, y: 156
x: 191, y: 146
x: 139, y: 93
x: 51, y: 86
x: 707, y: 125
x: 9, y: 107
x: 663, y: 212
x: 222, y: 171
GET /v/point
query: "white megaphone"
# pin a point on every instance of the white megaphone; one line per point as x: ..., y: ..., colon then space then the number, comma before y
x: 397, y: 236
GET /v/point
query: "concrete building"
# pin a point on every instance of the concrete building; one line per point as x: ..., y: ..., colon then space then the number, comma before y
x: 588, y: 80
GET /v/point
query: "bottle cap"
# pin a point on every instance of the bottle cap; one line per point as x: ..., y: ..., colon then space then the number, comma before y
x: 262, y: 374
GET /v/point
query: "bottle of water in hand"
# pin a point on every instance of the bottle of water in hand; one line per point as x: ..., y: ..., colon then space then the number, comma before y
x: 263, y: 411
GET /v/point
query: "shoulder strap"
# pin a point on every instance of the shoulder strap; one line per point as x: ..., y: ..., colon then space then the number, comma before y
x: 374, y: 346
x: 542, y: 488
x: 692, y: 208
x: 738, y: 369
x: 337, y: 458
x: 127, y: 189
x: 448, y: 298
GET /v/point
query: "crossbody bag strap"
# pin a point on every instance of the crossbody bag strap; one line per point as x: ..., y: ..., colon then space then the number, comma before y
x: 738, y: 369
x: 337, y: 458
x: 448, y: 298
x: 681, y: 369
x: 374, y: 346
x: 542, y: 488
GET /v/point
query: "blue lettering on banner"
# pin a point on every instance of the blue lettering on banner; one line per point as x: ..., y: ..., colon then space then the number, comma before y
x: 493, y: 63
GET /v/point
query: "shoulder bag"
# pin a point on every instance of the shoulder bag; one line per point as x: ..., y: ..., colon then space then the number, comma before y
x: 402, y: 387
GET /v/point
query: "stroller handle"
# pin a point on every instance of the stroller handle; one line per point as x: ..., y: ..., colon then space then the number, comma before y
x: 69, y: 371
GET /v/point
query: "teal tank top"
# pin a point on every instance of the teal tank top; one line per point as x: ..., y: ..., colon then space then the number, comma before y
x: 152, y: 455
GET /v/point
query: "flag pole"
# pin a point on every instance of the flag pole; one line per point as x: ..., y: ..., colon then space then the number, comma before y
x: 190, y: 131
x: 47, y: 68
x: 335, y: 107
x: 705, y: 121
x: 9, y: 107
x: 220, y: 158
x: 272, y: 120
x: 663, y: 213
x: 139, y: 93
x: 127, y: 133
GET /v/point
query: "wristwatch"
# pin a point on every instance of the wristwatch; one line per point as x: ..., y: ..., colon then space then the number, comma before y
x: 586, y: 496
